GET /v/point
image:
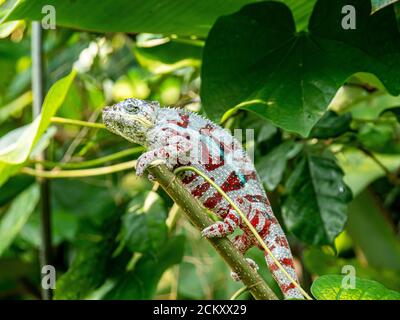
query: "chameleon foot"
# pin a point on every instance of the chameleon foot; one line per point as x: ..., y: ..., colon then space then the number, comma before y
x: 252, y: 264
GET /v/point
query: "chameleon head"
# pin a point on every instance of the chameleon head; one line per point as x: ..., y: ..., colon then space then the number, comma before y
x: 131, y: 118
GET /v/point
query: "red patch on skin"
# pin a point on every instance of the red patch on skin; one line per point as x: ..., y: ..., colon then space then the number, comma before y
x: 232, y: 183
x: 257, y: 198
x: 207, y: 129
x: 287, y: 287
x: 199, y: 190
x: 212, y: 201
x: 223, y: 212
x: 184, y: 121
x: 189, y: 178
x: 255, y: 220
x: 273, y: 267
x: 234, y: 218
x: 265, y: 229
x: 220, y: 228
x: 282, y: 242
x: 287, y: 262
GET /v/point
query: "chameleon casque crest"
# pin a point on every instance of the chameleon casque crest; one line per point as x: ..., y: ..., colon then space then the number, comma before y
x: 178, y: 138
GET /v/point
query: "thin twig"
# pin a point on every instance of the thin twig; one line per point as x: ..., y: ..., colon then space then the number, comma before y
x: 93, y: 162
x: 78, y: 123
x: 390, y: 176
x: 37, y: 90
x: 60, y: 174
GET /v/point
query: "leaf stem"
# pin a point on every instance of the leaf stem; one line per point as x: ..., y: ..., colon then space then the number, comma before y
x: 78, y: 123
x: 238, y: 293
x: 392, y: 177
x: 93, y: 162
x: 59, y: 174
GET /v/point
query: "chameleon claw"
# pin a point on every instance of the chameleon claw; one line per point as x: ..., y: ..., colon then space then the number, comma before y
x: 252, y: 264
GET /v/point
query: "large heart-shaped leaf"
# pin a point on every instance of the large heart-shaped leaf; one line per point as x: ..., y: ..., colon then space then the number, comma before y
x: 288, y: 77
x: 315, y: 209
x: 190, y: 17
x: 334, y: 287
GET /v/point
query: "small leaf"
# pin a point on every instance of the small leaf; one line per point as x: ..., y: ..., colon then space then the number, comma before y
x: 315, y: 208
x: 272, y: 166
x: 141, y: 283
x: 380, y: 4
x: 16, y: 146
x: 330, y: 287
x: 15, y: 106
x: 17, y: 215
x: 13, y: 187
x: 143, y: 225
x: 90, y: 267
x: 331, y: 125
x: 380, y: 137
x: 169, y: 55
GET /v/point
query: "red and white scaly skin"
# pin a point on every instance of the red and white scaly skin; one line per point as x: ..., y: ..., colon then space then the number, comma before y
x: 180, y: 138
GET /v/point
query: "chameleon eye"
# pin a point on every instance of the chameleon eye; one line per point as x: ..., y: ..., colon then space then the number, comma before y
x: 133, y: 108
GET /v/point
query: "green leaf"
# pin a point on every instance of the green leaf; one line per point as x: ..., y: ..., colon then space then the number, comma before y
x: 143, y: 225
x: 380, y: 4
x: 372, y: 106
x: 13, y: 187
x: 329, y: 287
x: 380, y: 137
x: 187, y: 18
x: 360, y: 170
x: 90, y: 267
x: 141, y: 283
x: 372, y: 232
x: 15, y: 106
x: 17, y: 215
x: 289, y: 78
x: 315, y: 209
x: 272, y: 166
x: 331, y: 125
x: 167, y: 55
x: 16, y: 146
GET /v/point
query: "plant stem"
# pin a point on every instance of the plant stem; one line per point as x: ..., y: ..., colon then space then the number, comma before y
x: 238, y: 293
x: 93, y: 162
x: 45, y: 210
x: 198, y: 216
x: 60, y: 174
x: 392, y: 177
x: 78, y: 123
x: 248, y: 224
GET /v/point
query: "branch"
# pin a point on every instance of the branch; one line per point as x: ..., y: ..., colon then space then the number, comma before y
x: 197, y: 215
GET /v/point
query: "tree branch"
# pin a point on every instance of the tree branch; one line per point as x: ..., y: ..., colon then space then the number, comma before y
x: 197, y: 215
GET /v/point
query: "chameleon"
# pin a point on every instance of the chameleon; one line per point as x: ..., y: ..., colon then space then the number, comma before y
x: 176, y: 138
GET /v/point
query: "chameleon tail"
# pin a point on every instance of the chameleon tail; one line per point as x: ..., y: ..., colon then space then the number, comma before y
x: 279, y: 247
